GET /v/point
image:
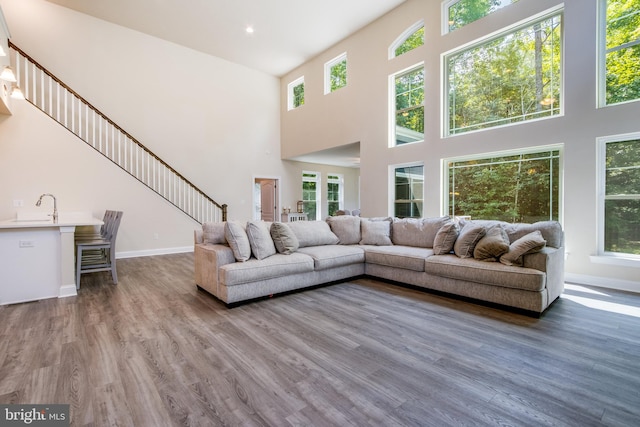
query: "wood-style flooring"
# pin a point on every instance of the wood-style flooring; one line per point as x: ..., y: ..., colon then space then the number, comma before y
x: 155, y: 351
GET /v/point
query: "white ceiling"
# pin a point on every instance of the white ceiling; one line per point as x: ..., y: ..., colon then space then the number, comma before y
x: 286, y: 34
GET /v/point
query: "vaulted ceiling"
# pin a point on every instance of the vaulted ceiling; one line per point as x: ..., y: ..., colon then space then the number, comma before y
x: 286, y: 33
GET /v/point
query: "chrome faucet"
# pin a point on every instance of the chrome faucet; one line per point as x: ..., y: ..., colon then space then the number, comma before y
x: 55, y: 205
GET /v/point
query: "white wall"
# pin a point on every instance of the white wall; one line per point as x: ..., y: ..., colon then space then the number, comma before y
x: 359, y: 112
x: 215, y: 122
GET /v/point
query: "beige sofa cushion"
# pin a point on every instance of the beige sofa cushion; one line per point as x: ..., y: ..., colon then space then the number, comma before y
x: 347, y: 228
x: 330, y: 256
x: 467, y: 240
x: 376, y: 231
x: 418, y: 232
x: 313, y: 233
x: 255, y: 270
x: 213, y: 233
x: 445, y: 238
x: 236, y: 235
x: 407, y: 257
x: 260, y: 239
x: 284, y: 239
x: 493, y: 245
x: 527, y: 244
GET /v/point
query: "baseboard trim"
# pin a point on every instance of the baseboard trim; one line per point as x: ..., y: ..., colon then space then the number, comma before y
x: 603, y: 282
x: 152, y: 252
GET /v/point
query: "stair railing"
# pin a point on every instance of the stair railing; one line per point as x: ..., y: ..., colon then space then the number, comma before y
x: 53, y: 97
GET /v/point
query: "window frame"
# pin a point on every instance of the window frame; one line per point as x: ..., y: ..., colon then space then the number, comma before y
x: 602, y: 195
x: 524, y: 23
x: 318, y: 180
x: 392, y: 187
x: 328, y: 67
x: 340, y: 181
x: 290, y: 93
x: 392, y: 104
x: 444, y: 199
x: 403, y: 37
x: 446, y: 6
x: 602, y: 57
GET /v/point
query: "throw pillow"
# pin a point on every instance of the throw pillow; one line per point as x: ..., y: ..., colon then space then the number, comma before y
x: 493, y: 245
x: 445, y: 238
x: 531, y: 243
x: 213, y: 232
x: 313, y: 233
x: 376, y: 232
x: 260, y: 239
x: 466, y: 242
x: 283, y: 238
x: 236, y: 236
x: 346, y: 227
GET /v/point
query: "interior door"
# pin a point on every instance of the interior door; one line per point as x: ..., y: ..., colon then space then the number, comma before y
x: 268, y: 200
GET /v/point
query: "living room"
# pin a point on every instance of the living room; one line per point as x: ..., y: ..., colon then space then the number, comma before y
x: 223, y: 125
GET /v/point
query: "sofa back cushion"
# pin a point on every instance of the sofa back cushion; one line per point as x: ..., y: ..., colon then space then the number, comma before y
x: 347, y: 228
x: 260, y: 239
x: 284, y: 239
x: 376, y: 231
x: 313, y: 233
x: 551, y: 230
x: 213, y: 233
x: 236, y: 235
x: 418, y: 232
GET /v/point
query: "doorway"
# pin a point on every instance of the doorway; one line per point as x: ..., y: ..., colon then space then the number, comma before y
x: 266, y: 199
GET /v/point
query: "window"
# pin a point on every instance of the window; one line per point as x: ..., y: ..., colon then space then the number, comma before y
x: 335, y: 72
x: 295, y: 93
x: 458, y: 13
x: 335, y: 193
x: 311, y: 194
x: 621, y: 58
x: 620, y: 195
x: 510, y: 78
x: 514, y: 187
x: 409, y: 191
x: 409, y: 106
x: 412, y: 38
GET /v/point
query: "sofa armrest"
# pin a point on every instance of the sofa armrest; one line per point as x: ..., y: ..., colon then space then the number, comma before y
x: 208, y: 260
x: 198, y: 236
x: 551, y: 261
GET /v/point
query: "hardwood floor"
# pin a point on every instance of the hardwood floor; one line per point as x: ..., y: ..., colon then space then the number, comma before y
x: 155, y: 351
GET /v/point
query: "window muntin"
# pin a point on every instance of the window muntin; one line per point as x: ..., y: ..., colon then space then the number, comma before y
x: 295, y: 93
x: 335, y: 193
x: 409, y: 106
x: 511, y: 78
x: 412, y: 38
x: 335, y: 72
x: 408, y: 191
x: 622, y: 51
x: 621, y: 197
x: 458, y: 13
x: 311, y: 194
x: 513, y: 187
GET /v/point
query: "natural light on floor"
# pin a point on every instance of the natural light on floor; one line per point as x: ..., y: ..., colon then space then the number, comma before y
x: 598, y: 304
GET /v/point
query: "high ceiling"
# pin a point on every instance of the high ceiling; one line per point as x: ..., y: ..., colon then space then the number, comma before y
x: 286, y: 32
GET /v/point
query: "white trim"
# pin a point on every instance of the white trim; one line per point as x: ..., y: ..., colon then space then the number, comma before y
x: 404, y: 36
x: 392, y: 102
x: 318, y: 182
x: 391, y: 179
x: 340, y: 182
x: 254, y: 201
x: 153, y: 252
x: 327, y: 72
x: 603, y: 282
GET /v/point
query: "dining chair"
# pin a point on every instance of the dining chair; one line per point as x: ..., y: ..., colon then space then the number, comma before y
x: 98, y: 252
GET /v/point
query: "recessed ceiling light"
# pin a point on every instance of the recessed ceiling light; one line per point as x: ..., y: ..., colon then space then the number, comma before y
x: 249, y: 29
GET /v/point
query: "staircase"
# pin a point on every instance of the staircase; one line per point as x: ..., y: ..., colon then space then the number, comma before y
x: 50, y: 95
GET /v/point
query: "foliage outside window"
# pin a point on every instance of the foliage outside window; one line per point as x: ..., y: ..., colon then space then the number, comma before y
x: 622, y: 197
x: 511, y: 78
x: 409, y: 106
x: 336, y: 74
x: 413, y: 40
x: 462, y: 12
x: 409, y: 191
x: 622, y: 55
x: 335, y: 198
x: 311, y: 194
x: 521, y: 187
x: 295, y: 93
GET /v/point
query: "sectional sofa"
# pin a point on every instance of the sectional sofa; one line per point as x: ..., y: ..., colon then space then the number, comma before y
x: 514, y: 265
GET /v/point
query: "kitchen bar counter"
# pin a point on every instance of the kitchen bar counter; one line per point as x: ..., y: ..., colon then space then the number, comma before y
x: 37, y: 256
